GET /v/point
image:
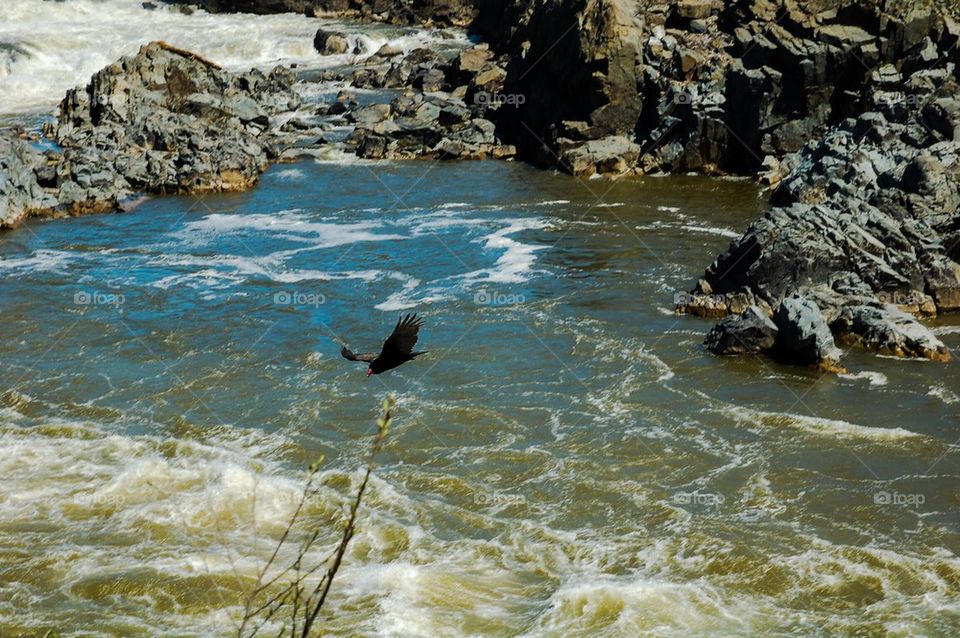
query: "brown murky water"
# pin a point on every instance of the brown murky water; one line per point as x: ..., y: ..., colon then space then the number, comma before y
x: 567, y: 461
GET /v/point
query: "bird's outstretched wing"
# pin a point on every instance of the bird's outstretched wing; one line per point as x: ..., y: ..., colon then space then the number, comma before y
x: 366, y: 357
x: 403, y: 338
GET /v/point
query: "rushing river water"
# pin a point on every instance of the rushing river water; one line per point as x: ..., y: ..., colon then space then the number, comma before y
x: 566, y: 460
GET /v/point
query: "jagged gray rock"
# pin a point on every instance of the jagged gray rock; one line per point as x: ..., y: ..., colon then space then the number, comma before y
x: 22, y: 171
x: 750, y: 332
x: 163, y: 120
x: 803, y: 336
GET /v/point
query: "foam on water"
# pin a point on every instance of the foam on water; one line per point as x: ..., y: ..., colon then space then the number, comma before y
x: 214, y: 510
x: 290, y: 175
x: 947, y: 396
x: 711, y: 230
x: 42, y: 260
x: 517, y: 259
x: 214, y: 272
x: 290, y: 225
x: 817, y: 425
x: 873, y: 377
x: 946, y: 330
x: 647, y: 607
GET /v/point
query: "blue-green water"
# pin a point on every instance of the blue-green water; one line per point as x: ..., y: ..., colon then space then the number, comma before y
x: 566, y: 461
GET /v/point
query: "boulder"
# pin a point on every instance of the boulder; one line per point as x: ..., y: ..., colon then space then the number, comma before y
x: 612, y: 154
x: 330, y: 43
x: 803, y: 336
x: 470, y: 61
x: 750, y: 332
x: 888, y: 330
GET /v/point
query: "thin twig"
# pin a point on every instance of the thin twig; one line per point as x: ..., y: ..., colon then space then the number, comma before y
x: 305, y: 607
x: 348, y: 532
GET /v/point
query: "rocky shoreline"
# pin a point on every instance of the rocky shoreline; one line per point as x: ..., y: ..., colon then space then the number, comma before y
x: 161, y: 121
x: 167, y: 121
x: 847, y: 110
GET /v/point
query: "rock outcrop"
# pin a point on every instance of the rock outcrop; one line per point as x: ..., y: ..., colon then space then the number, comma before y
x: 445, y: 110
x: 24, y: 173
x: 697, y: 85
x: 430, y: 12
x: 161, y: 121
x: 748, y: 333
x: 865, y: 224
x: 166, y: 120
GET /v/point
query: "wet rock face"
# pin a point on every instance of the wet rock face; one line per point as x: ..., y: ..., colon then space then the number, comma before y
x: 866, y: 223
x: 747, y: 333
x: 803, y: 336
x: 575, y: 65
x: 166, y: 120
x: 23, y: 171
x: 888, y: 330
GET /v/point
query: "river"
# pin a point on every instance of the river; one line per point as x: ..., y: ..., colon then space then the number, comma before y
x: 566, y: 460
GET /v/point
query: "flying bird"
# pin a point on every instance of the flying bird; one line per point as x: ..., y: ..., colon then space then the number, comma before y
x: 396, y: 350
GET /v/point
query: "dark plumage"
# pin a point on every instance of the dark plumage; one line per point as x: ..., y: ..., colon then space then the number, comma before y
x: 396, y: 350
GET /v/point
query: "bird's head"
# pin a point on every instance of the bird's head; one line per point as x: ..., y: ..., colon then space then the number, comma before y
x: 369, y: 371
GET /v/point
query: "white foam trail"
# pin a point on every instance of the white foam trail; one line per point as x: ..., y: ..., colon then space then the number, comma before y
x: 873, y: 377
x: 225, y: 270
x: 516, y: 260
x: 443, y: 218
x: 290, y: 175
x: 817, y: 425
x: 404, y: 299
x: 947, y: 396
x: 712, y: 230
x: 514, y: 265
x: 291, y: 225
x: 946, y: 330
x: 42, y: 260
